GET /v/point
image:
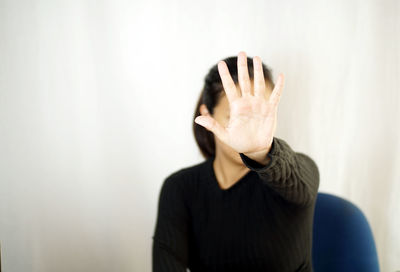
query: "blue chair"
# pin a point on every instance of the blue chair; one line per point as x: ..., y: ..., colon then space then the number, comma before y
x: 342, y: 237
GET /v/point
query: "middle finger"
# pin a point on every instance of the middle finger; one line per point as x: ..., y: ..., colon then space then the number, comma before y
x: 244, y: 79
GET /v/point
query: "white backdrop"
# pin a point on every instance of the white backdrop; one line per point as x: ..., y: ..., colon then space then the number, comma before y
x: 96, y: 104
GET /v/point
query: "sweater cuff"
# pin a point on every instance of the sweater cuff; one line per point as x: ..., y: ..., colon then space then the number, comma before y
x: 256, y: 166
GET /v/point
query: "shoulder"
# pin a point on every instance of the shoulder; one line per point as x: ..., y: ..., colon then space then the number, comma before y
x: 184, y: 177
x: 177, y: 187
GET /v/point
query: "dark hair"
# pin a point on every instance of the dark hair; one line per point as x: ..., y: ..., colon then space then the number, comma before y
x: 210, y: 95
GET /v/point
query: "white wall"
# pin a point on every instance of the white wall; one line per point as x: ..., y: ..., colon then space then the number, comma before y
x: 96, y: 104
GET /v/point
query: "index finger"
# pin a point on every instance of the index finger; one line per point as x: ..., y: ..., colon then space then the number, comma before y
x: 227, y: 81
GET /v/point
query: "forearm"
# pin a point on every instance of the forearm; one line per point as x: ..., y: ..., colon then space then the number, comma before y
x: 292, y: 174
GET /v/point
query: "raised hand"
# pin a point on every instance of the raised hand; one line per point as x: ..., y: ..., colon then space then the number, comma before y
x: 253, y: 116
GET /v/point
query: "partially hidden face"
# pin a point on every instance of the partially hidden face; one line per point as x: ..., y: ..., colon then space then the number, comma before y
x: 221, y: 114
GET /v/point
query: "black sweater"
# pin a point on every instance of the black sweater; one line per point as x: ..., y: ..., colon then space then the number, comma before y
x: 263, y: 222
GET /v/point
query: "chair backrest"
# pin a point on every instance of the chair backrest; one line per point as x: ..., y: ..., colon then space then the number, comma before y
x: 342, y: 237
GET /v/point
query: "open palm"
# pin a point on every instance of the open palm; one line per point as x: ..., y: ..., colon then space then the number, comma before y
x: 253, y: 116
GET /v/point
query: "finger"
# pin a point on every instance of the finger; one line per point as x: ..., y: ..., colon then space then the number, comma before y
x: 259, y: 81
x: 277, y: 92
x: 227, y: 82
x: 212, y: 125
x: 243, y: 74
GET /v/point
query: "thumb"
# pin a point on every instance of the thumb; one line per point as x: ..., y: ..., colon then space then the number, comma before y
x: 212, y: 125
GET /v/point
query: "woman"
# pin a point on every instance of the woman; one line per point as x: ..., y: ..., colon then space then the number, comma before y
x: 249, y: 206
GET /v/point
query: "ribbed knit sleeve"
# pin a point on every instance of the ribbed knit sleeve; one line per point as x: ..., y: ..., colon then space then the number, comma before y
x: 170, y: 239
x: 293, y: 175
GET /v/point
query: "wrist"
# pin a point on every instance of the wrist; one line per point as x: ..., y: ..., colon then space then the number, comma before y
x: 260, y: 156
